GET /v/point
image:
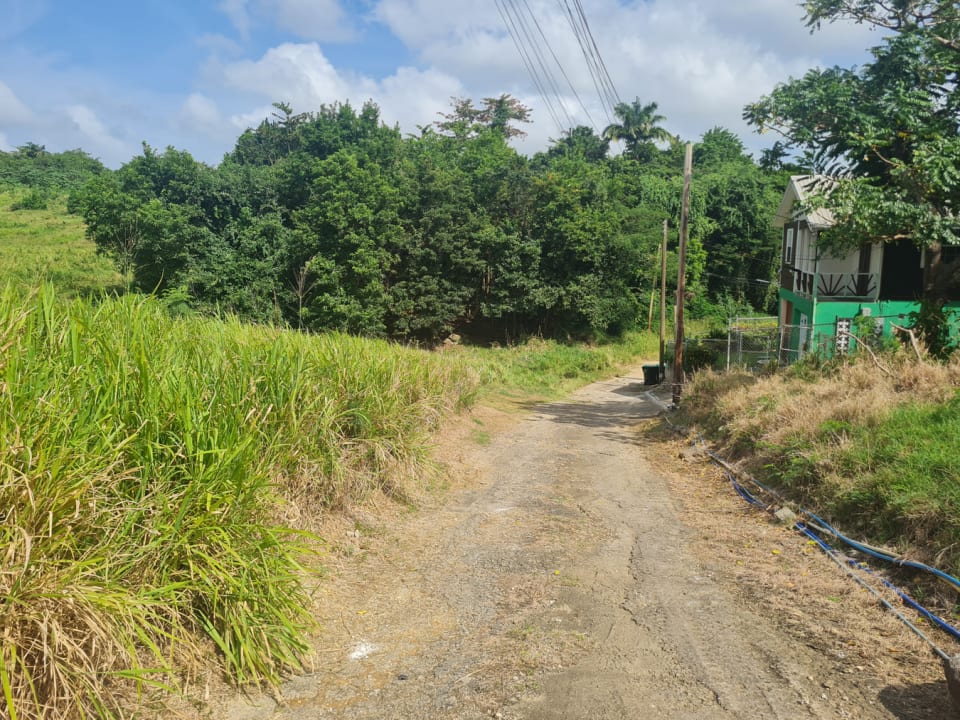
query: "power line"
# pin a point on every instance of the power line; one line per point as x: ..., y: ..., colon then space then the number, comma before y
x: 602, y: 83
x: 605, y: 74
x: 560, y: 65
x: 550, y: 80
x: 515, y: 36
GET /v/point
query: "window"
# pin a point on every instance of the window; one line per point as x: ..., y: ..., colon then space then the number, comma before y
x: 788, y: 248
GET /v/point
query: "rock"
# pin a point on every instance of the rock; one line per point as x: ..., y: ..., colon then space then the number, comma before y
x: 786, y: 516
x: 693, y: 453
x: 951, y: 668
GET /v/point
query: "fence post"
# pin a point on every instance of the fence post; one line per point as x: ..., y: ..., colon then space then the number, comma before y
x: 729, y: 341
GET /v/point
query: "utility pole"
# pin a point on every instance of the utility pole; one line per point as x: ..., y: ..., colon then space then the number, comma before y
x: 682, y: 275
x: 663, y: 302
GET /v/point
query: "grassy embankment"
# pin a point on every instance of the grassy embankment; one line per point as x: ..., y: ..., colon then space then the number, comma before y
x: 145, y: 464
x: 37, y: 245
x: 874, y: 447
x: 148, y: 464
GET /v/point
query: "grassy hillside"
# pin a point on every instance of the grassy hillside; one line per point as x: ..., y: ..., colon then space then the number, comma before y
x: 872, y: 445
x: 50, y: 245
x: 144, y: 463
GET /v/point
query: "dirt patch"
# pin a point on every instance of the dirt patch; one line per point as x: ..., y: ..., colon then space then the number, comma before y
x: 795, y: 587
x: 574, y: 566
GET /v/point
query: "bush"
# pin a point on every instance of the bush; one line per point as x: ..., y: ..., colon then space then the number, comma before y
x: 34, y: 200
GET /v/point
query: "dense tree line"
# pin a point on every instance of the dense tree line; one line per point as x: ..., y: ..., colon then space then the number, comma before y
x: 32, y: 166
x: 333, y: 220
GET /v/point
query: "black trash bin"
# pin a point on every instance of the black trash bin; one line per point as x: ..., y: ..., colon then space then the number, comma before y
x: 651, y: 375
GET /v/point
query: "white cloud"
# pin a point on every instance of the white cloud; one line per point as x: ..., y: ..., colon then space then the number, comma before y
x: 301, y: 75
x: 5, y: 145
x: 700, y: 60
x: 310, y: 19
x: 321, y: 20
x: 412, y: 97
x: 295, y: 73
x: 238, y: 14
x: 99, y: 140
x: 218, y: 44
x: 12, y: 111
x: 200, y: 114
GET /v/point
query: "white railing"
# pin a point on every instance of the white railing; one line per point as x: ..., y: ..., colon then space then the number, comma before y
x: 861, y: 286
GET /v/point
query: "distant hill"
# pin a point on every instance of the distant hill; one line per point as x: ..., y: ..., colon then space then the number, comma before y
x: 49, y: 244
x: 32, y: 166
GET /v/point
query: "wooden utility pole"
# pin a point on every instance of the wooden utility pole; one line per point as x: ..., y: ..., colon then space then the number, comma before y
x: 682, y: 275
x: 653, y: 294
x: 663, y: 301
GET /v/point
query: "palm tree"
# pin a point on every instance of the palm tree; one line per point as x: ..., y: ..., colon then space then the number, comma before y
x: 638, y: 128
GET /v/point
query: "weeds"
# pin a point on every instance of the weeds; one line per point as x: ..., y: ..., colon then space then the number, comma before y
x: 879, y: 453
x: 546, y: 369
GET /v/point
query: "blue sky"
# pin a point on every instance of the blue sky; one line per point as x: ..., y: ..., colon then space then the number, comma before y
x: 106, y: 75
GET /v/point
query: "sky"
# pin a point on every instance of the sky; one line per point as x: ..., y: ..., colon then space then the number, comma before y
x: 108, y: 75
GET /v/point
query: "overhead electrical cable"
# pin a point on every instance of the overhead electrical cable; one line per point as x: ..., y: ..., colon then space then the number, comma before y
x: 527, y: 61
x: 604, y: 73
x: 560, y: 66
x: 607, y: 99
x: 550, y: 80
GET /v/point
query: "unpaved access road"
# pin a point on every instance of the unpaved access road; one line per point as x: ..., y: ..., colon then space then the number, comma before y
x: 578, y: 569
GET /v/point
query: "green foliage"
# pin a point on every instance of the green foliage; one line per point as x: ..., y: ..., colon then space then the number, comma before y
x: 332, y: 220
x: 581, y: 142
x: 888, y: 130
x: 496, y: 114
x: 32, y: 166
x: 33, y: 200
x: 544, y: 369
x: 905, y: 472
x: 639, y: 128
x: 49, y: 244
x: 144, y: 462
x: 933, y: 323
x: 742, y: 245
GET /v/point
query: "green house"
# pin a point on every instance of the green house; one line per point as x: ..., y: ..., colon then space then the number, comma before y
x: 824, y: 298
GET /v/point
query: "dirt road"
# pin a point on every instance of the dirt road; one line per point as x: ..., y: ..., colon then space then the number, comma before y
x: 576, y: 572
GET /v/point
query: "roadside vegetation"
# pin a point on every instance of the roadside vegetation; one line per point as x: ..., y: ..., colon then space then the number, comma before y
x: 873, y: 445
x: 150, y: 470
x: 180, y: 401
x: 159, y: 476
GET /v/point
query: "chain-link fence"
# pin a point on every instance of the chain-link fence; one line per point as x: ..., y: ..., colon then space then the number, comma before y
x: 752, y: 342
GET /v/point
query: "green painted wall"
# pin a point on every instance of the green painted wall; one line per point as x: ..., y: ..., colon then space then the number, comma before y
x: 822, y: 318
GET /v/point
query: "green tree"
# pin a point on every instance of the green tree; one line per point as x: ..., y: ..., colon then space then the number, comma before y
x: 638, y: 128
x: 587, y: 266
x: 888, y: 131
x: 497, y: 114
x: 580, y: 142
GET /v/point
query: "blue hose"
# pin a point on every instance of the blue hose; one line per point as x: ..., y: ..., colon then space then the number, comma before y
x: 859, y: 547
x: 906, y: 599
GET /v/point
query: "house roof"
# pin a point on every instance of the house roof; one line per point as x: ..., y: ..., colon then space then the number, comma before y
x: 796, y: 198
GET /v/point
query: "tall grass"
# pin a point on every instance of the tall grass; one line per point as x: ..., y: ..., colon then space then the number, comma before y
x: 545, y: 369
x: 145, y: 464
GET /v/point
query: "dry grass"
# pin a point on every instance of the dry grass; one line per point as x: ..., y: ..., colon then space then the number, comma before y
x: 796, y: 404
x: 868, y: 442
